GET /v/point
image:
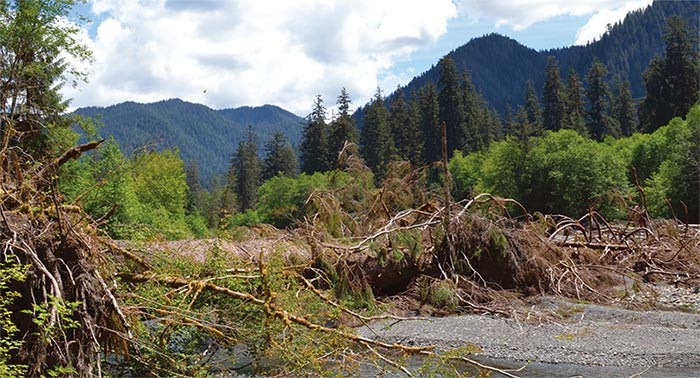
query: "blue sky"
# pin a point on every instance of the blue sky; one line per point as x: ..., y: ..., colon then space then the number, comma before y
x: 226, y: 53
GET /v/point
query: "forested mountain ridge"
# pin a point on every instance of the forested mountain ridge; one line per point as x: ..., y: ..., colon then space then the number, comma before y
x: 204, y: 135
x: 500, y: 66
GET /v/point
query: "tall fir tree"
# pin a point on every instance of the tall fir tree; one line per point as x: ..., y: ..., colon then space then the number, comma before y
x: 673, y: 82
x: 314, y: 143
x: 474, y: 128
x: 575, y: 110
x: 194, y: 187
x: 451, y: 104
x: 509, y: 123
x: 403, y: 128
x: 623, y: 109
x: 532, y: 109
x: 280, y: 158
x: 247, y: 168
x: 598, y: 119
x: 228, y: 194
x: 342, y: 129
x: 416, y: 140
x: 552, y: 97
x: 428, y: 118
x: 377, y: 144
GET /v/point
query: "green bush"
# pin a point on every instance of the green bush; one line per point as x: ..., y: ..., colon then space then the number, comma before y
x: 282, y: 199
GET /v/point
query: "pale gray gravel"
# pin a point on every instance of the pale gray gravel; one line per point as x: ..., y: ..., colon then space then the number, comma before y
x: 594, y: 341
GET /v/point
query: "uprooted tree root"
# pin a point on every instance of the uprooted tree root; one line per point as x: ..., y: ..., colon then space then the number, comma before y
x: 493, y: 246
x: 65, y: 313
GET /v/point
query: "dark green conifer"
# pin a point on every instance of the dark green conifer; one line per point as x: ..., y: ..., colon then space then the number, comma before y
x: 532, y: 109
x: 552, y: 97
x: 575, y: 111
x: 377, y: 144
x: 597, y: 117
x: 314, y: 143
x: 428, y: 118
x: 247, y: 171
x: 280, y: 158
x: 673, y: 82
x: 451, y: 104
x: 623, y: 109
x: 342, y: 129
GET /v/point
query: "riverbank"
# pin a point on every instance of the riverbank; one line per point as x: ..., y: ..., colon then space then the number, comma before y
x: 590, y: 340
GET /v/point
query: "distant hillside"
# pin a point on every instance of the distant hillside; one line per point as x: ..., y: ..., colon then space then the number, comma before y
x: 202, y: 134
x: 500, y: 66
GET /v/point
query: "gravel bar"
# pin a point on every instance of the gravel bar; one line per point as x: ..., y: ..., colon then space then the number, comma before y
x: 668, y: 342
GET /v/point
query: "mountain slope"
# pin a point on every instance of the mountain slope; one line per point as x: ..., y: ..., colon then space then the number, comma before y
x: 202, y: 134
x: 500, y: 66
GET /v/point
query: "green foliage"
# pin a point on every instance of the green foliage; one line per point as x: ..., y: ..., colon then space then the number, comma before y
x: 247, y: 218
x: 11, y: 273
x: 503, y: 169
x: 156, y: 198
x: 569, y: 174
x: 564, y: 172
x: 675, y: 174
x: 282, y: 199
x: 465, y: 171
x: 37, y: 47
x: 561, y: 172
x: 141, y: 197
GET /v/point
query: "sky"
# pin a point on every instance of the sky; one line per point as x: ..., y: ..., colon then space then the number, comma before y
x: 231, y: 53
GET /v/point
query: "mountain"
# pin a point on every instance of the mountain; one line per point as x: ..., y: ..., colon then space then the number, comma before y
x: 500, y: 66
x: 204, y: 135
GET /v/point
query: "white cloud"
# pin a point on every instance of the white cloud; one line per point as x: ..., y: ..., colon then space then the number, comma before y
x: 597, y: 25
x: 521, y: 14
x: 228, y: 54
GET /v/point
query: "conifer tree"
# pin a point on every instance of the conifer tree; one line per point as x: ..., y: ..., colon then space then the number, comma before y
x: 280, y: 158
x: 673, y: 82
x: 509, y: 124
x: 597, y: 117
x: 552, y: 97
x: 474, y: 128
x: 532, y: 109
x: 428, y: 118
x: 575, y: 111
x: 401, y: 126
x: 228, y: 197
x: 314, y: 143
x: 247, y: 169
x: 194, y: 187
x: 377, y: 145
x: 451, y: 106
x: 414, y: 132
x: 623, y: 110
x: 342, y: 129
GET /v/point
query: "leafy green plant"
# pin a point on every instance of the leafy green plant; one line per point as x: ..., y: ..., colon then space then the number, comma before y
x: 10, y: 273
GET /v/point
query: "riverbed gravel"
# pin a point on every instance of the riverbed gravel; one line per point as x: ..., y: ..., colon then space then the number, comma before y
x: 657, y: 343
